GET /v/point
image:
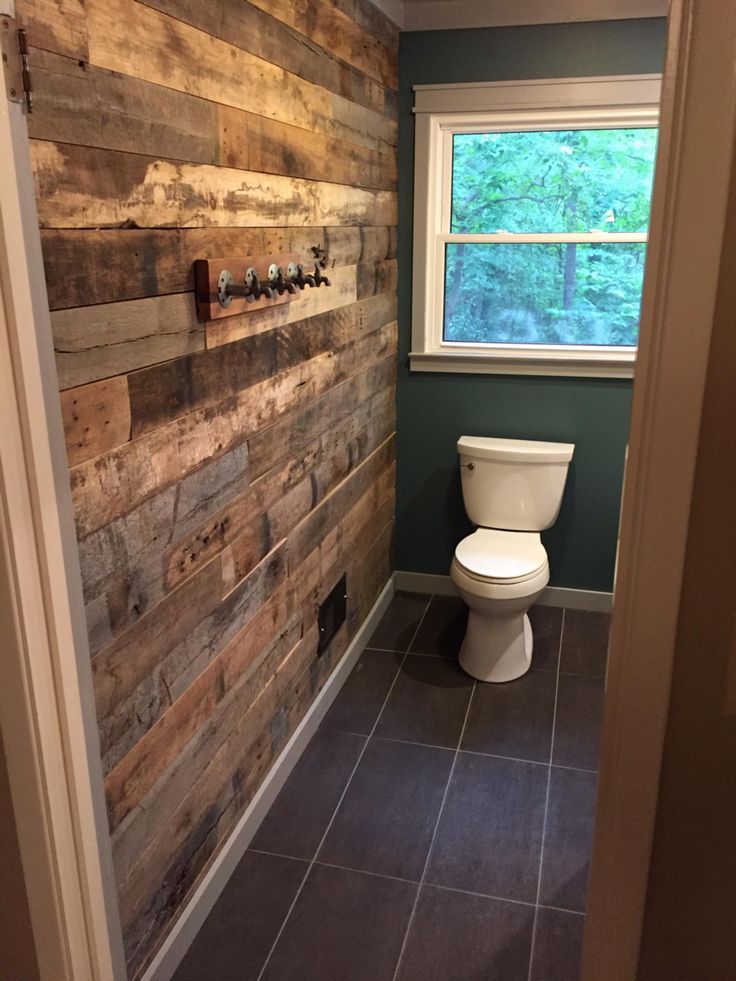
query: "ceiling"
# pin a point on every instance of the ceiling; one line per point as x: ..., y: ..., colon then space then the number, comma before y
x: 427, y: 15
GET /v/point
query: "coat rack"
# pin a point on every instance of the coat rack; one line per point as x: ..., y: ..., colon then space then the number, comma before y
x: 241, y: 284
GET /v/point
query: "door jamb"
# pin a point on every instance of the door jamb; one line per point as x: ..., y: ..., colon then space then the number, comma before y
x: 47, y: 708
x: 698, y: 126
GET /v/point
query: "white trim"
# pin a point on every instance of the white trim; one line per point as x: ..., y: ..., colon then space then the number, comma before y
x: 433, y: 15
x: 192, y: 917
x: 607, y: 93
x: 572, y: 599
x: 694, y: 177
x: 441, y: 111
x: 47, y: 709
x: 495, y: 362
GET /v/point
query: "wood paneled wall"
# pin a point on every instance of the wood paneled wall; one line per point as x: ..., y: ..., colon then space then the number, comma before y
x: 223, y: 479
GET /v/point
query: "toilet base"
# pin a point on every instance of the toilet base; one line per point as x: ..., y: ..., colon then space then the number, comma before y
x: 497, y: 648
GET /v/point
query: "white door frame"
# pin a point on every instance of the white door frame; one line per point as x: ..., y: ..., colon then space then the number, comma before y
x: 698, y: 132
x: 46, y: 704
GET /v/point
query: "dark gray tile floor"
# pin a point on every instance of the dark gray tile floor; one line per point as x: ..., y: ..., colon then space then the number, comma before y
x: 435, y: 828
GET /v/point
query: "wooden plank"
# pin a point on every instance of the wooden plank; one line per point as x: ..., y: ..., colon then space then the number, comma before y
x: 75, y: 102
x: 121, y: 562
x: 78, y: 103
x: 251, y: 142
x: 88, y: 187
x: 377, y: 277
x: 84, y: 267
x: 98, y: 342
x: 257, y: 752
x: 253, y: 30
x: 335, y: 31
x: 131, y: 562
x: 138, y: 771
x: 318, y: 465
x: 96, y: 418
x: 223, y: 750
x: 130, y: 718
x: 134, y: 39
x: 55, y: 25
x: 161, y: 393
x: 147, y: 902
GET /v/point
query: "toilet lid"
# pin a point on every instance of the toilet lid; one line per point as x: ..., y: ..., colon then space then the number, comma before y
x: 501, y: 555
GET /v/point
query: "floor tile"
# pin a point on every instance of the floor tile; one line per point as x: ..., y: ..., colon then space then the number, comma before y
x: 513, y: 719
x: 490, y: 834
x: 546, y: 624
x: 558, y: 946
x: 238, y: 934
x: 388, y: 815
x: 346, y: 926
x: 568, y: 838
x: 456, y: 935
x: 399, y: 622
x: 428, y: 702
x: 362, y: 696
x: 585, y: 643
x: 300, y: 814
x: 578, y: 721
x: 443, y: 628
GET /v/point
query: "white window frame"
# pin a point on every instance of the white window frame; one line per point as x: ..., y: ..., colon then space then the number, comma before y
x: 443, y: 110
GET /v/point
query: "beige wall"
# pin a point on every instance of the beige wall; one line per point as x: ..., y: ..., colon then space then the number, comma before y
x: 17, y: 951
x: 690, y: 923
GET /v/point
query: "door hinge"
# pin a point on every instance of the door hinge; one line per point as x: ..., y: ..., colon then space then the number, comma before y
x: 16, y: 67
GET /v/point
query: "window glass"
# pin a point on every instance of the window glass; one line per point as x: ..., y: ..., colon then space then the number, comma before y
x: 552, y: 181
x: 556, y: 293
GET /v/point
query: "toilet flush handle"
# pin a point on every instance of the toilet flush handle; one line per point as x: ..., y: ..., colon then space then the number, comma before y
x: 468, y: 466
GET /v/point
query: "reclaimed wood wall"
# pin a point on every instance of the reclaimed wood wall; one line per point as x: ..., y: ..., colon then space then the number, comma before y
x: 223, y: 480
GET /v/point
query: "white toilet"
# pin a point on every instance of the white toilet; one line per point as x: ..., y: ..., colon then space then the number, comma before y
x: 512, y: 490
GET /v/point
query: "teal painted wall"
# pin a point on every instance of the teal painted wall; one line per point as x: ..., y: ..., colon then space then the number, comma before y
x: 434, y: 409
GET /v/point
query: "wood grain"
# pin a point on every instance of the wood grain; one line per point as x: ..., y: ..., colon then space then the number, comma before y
x: 87, y: 187
x: 132, y: 38
x: 55, y: 25
x: 96, y: 418
x: 86, y: 266
x: 335, y: 31
x: 78, y: 103
x: 248, y: 27
x: 97, y: 342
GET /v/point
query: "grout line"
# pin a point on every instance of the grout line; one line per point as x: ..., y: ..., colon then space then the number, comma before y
x: 434, y: 834
x: 468, y: 752
x: 414, y: 882
x: 337, y: 807
x: 546, y: 803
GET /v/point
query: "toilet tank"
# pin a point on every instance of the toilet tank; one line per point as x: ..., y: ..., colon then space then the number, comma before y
x: 513, y: 484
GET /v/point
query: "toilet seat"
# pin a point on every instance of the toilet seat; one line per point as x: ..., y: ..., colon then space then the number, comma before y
x: 501, y: 557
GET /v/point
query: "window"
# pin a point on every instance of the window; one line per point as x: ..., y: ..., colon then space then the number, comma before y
x: 531, y: 218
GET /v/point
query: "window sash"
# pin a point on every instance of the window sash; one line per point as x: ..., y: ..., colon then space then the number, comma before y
x: 432, y: 206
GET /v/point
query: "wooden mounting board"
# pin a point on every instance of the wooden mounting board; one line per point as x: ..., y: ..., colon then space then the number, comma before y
x: 206, y: 275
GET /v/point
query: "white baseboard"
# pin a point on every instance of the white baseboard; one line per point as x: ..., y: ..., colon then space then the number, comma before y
x: 573, y: 599
x: 176, y: 944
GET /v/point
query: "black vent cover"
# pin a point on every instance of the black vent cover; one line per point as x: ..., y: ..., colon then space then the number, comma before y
x: 332, y: 614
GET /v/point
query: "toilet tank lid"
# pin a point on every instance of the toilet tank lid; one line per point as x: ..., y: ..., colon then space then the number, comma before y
x: 514, y: 450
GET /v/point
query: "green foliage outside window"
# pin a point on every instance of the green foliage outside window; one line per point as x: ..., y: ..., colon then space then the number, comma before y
x: 548, y: 182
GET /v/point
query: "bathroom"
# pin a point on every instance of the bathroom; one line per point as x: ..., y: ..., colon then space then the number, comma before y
x: 319, y: 739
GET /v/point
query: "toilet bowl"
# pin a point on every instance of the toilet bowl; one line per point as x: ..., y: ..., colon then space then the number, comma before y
x: 512, y: 489
x: 499, y: 575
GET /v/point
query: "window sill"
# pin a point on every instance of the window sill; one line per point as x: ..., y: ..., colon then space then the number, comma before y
x: 570, y: 364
